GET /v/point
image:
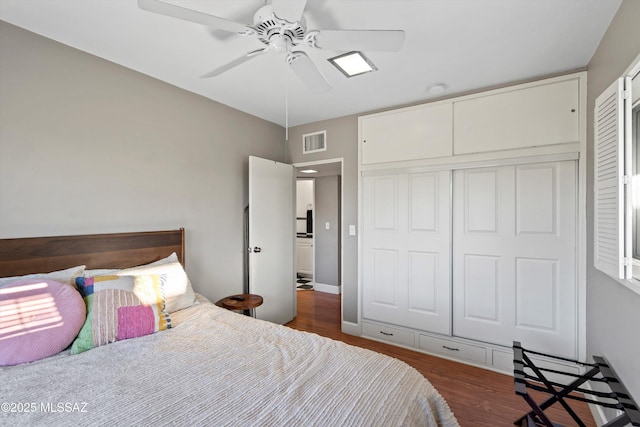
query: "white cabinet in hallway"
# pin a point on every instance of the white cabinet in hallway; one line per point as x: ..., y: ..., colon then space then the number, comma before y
x: 305, y: 256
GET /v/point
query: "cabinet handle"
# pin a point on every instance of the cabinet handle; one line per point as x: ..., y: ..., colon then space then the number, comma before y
x: 386, y: 333
x: 451, y: 348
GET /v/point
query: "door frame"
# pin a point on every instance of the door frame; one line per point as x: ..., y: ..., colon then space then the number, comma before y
x: 342, y: 229
x: 313, y: 229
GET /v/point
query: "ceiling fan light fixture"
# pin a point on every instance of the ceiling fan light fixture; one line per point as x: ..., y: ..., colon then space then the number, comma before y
x: 353, y: 64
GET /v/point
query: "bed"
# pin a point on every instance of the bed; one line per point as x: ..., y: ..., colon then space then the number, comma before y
x: 210, y: 366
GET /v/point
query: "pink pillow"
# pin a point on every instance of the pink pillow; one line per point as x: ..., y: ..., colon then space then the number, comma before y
x: 38, y: 318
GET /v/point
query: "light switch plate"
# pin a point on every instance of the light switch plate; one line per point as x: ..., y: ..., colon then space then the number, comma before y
x: 352, y: 230
x: 327, y: 226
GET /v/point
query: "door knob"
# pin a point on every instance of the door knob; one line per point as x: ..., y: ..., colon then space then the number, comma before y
x: 257, y: 249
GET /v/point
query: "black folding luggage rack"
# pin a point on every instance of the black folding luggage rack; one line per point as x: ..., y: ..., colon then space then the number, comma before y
x: 600, y: 371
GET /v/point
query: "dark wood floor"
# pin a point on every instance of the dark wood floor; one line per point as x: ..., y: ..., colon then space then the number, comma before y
x: 478, y: 397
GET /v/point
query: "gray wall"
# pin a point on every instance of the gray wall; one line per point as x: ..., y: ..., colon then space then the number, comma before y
x: 327, y: 209
x: 342, y: 141
x: 87, y: 146
x: 613, y: 311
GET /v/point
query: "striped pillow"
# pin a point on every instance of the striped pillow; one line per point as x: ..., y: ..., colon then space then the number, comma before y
x: 119, y: 308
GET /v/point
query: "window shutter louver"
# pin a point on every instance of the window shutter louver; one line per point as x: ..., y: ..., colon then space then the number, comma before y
x: 609, y: 188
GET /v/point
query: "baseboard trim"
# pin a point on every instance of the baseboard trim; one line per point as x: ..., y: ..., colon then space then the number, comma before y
x: 330, y: 289
x: 598, y: 414
x: 596, y: 410
x: 351, y: 328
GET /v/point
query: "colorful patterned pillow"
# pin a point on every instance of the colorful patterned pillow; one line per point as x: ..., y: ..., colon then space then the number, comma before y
x: 119, y: 308
x: 177, y: 288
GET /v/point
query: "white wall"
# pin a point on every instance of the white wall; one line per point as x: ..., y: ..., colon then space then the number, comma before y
x: 87, y: 146
x: 613, y: 311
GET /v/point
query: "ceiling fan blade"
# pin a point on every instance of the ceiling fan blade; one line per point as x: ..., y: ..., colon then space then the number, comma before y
x: 306, y: 71
x: 234, y: 63
x: 291, y: 10
x: 162, y: 8
x: 372, y: 40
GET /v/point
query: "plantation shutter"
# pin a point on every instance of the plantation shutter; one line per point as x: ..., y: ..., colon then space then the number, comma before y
x: 609, y: 184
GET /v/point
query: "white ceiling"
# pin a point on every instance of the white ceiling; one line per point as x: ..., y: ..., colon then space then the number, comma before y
x: 465, y: 44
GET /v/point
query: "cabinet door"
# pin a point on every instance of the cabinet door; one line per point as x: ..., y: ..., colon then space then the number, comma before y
x: 406, y: 270
x: 541, y: 115
x: 514, y: 261
x: 421, y: 132
x: 305, y: 257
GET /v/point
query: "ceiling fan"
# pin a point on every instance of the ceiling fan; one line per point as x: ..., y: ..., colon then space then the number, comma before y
x: 281, y: 26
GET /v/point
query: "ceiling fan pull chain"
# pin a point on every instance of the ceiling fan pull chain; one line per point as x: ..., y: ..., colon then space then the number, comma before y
x: 286, y: 101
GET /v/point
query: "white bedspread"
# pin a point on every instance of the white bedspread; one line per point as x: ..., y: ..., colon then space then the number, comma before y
x: 219, y: 368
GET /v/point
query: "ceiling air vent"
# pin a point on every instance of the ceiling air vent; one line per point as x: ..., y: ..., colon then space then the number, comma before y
x: 314, y: 142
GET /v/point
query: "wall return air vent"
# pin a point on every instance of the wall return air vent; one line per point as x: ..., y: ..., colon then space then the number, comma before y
x: 314, y: 142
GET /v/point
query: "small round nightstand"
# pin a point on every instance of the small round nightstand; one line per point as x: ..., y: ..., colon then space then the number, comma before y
x: 244, y: 302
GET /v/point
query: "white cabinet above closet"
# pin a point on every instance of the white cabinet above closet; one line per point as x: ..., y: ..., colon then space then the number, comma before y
x: 531, y: 116
x: 541, y: 117
x: 421, y: 132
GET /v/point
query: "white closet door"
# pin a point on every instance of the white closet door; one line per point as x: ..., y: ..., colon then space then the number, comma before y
x: 406, y: 252
x: 514, y: 241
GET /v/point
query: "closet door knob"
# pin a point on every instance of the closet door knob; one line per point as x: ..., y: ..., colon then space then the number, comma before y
x: 257, y: 249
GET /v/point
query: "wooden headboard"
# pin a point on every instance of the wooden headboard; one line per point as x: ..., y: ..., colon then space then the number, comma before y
x: 115, y: 250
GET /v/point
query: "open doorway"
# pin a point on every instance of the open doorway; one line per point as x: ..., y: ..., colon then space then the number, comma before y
x: 319, y: 226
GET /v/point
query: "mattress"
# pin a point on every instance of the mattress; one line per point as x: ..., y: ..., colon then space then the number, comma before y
x: 216, y: 367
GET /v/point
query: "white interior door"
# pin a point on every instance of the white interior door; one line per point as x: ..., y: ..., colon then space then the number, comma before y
x: 272, y: 238
x: 514, y: 255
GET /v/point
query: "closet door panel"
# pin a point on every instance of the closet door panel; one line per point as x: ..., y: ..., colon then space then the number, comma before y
x: 481, y: 288
x: 481, y: 268
x: 536, y: 293
x: 481, y: 201
x: 384, y: 203
x: 528, y: 290
x: 385, y: 277
x: 422, y: 280
x: 406, y: 255
x: 382, y: 198
x: 423, y: 202
x: 535, y: 203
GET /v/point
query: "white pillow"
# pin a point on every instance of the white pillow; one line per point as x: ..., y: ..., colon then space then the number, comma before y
x: 67, y: 276
x: 178, y: 291
x: 99, y: 272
